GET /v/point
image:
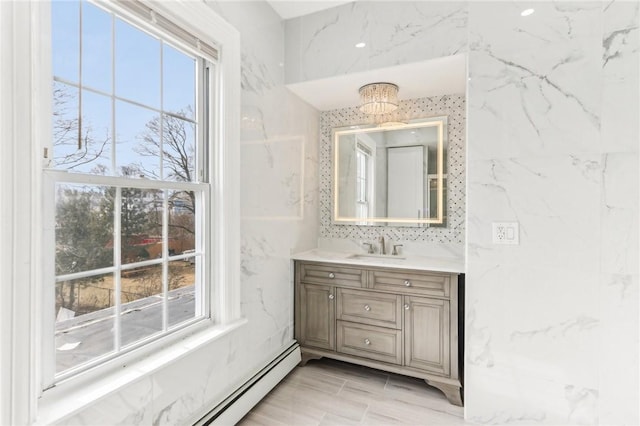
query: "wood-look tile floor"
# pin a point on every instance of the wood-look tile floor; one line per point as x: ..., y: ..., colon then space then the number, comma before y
x: 328, y: 392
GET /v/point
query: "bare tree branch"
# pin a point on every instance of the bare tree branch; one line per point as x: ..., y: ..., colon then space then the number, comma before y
x: 66, y: 133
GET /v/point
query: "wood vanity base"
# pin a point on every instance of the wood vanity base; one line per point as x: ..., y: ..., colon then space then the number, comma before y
x: 452, y: 392
x: 306, y: 357
x: 397, y: 320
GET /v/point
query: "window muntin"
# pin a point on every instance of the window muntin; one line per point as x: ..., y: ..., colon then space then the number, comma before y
x: 135, y: 207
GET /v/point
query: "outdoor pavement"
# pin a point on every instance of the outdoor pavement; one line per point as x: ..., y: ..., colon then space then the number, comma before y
x: 86, y: 337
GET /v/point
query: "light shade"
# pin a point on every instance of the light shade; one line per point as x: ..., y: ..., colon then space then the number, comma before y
x: 378, y: 98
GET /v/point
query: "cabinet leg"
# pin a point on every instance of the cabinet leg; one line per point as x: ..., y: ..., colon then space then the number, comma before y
x: 306, y: 357
x: 452, y: 392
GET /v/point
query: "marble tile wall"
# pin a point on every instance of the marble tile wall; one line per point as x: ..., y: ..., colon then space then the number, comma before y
x: 396, y: 32
x: 552, y: 324
x: 552, y: 142
x: 279, y: 204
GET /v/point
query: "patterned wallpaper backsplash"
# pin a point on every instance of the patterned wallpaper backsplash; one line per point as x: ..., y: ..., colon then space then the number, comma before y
x: 452, y: 106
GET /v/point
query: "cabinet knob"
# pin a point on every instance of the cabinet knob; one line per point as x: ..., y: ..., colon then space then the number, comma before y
x: 406, y: 306
x: 332, y: 275
x: 367, y: 307
x: 331, y: 296
x: 367, y: 341
x: 407, y: 283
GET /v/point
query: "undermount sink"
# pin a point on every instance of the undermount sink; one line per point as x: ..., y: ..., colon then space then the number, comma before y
x: 372, y: 256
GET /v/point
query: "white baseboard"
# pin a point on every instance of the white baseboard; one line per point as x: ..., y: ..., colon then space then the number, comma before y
x: 237, y: 405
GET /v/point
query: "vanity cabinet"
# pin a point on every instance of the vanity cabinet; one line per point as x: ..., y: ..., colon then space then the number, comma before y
x: 402, y: 321
x: 317, y: 322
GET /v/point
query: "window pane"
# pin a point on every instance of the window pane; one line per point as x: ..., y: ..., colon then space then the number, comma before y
x: 65, y: 39
x: 137, y: 141
x: 94, y: 156
x: 182, y: 302
x: 141, y: 224
x: 90, y: 150
x: 141, y: 314
x: 179, y: 91
x: 137, y: 57
x: 84, y: 322
x: 84, y: 228
x: 66, y: 111
x: 179, y: 144
x: 96, y: 48
x: 181, y: 222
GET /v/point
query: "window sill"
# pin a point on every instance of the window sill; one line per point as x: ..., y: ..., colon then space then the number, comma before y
x: 70, y: 397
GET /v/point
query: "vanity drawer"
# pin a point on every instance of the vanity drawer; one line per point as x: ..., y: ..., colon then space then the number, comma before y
x: 425, y: 284
x: 317, y: 273
x: 366, y: 341
x: 368, y: 307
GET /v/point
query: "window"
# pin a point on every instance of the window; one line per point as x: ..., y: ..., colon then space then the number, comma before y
x: 363, y: 190
x: 128, y: 182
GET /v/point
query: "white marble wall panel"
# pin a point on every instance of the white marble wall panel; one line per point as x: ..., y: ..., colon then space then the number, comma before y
x: 552, y: 324
x: 553, y: 106
x: 619, y: 287
x: 279, y: 173
x: 556, y: 201
x: 132, y: 406
x: 279, y: 167
x: 323, y: 44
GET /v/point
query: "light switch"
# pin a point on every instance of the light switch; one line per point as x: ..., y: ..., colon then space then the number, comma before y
x: 505, y: 233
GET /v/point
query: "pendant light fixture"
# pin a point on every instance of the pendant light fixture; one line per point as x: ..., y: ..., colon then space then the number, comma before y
x: 378, y: 98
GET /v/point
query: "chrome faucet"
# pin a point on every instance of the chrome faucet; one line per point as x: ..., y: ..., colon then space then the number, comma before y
x: 381, y: 241
x: 370, y: 245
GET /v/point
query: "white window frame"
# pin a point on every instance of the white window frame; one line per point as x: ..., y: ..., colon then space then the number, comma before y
x: 25, y: 112
x: 53, y: 176
x: 364, y: 177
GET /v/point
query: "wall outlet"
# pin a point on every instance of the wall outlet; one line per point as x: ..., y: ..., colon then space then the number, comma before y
x: 505, y: 233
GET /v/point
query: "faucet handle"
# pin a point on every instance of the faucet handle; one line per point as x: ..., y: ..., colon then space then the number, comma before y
x: 370, y: 250
x: 395, y: 249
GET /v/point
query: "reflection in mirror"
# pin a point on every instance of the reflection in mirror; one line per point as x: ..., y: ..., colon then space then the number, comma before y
x: 393, y: 175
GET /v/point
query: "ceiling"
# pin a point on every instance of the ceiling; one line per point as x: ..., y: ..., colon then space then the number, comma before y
x: 435, y: 77
x: 288, y: 9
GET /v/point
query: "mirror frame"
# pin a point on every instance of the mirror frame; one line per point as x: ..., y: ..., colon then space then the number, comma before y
x: 440, y: 122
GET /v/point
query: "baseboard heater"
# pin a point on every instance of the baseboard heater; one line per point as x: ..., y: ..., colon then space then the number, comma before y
x: 238, y: 404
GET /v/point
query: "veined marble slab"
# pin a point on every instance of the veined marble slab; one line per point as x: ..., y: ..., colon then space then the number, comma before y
x: 408, y: 261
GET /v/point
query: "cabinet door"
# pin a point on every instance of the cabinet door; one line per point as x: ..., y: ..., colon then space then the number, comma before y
x: 427, y: 345
x: 317, y: 316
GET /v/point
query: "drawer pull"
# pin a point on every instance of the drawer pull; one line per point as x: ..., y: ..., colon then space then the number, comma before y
x: 407, y: 283
x: 331, y: 296
x: 367, y: 307
x: 367, y: 341
x: 332, y: 275
x: 406, y: 306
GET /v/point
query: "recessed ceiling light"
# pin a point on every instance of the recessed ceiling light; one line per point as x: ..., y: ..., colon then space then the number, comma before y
x: 361, y: 45
x: 527, y: 12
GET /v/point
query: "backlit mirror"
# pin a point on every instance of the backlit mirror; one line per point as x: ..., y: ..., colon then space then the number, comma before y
x: 391, y: 175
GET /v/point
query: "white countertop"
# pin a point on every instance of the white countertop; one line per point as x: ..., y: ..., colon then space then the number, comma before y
x: 404, y: 261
